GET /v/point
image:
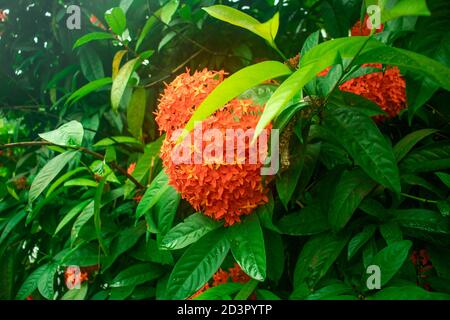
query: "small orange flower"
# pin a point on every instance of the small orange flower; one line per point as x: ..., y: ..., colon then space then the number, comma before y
x: 235, y: 274
x: 3, y: 16
x: 131, y: 168
x: 96, y: 22
x: 73, y: 276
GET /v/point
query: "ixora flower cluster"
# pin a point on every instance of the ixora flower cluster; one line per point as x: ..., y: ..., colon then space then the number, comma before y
x: 223, y: 190
x: 386, y: 88
x: 234, y: 274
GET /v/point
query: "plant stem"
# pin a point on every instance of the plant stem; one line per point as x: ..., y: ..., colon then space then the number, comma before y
x: 82, y: 149
x: 418, y: 198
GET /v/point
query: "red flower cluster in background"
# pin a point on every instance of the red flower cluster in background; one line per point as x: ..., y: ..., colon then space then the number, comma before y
x: 220, y: 190
x: 75, y: 276
x: 385, y: 88
x: 422, y: 263
x: 235, y: 274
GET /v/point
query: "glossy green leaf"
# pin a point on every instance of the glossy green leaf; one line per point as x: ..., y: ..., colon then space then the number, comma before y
x: 351, y: 189
x: 45, y: 283
x: 445, y: 178
x: 83, y: 218
x: 220, y: 292
x: 197, y: 265
x: 391, y: 259
x: 71, y: 215
x: 432, y: 157
x: 153, y: 193
x: 412, y: 292
x: 165, y: 210
x: 137, y: 274
x: 267, y: 30
x: 48, y: 173
x: 316, y: 258
x: 116, y: 19
x: 76, y: 294
x: 359, y: 240
x: 116, y: 140
x: 69, y: 134
x: 421, y: 219
x: 54, y: 186
x: 136, y: 112
x: 391, y: 232
x: 247, y: 245
x: 189, y: 231
x: 405, y: 145
x: 91, y: 37
x: 359, y: 135
x: 87, y: 89
x: 308, y: 221
x: 31, y: 282
x: 120, y: 83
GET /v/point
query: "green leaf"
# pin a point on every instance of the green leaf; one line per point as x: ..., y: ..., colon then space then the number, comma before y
x: 432, y: 157
x: 316, y: 257
x: 360, y: 239
x: 97, y: 207
x: 445, y: 178
x: 408, y: 60
x: 234, y: 85
x: 87, y: 89
x: 116, y: 140
x: 62, y: 179
x: 262, y: 294
x: 83, y: 218
x: 421, y: 219
x: 48, y: 173
x: 76, y: 294
x: 137, y: 274
x: 81, y: 182
x: 153, y: 193
x: 352, y: 188
x: 267, y: 30
x: 136, y: 112
x: 247, y: 245
x: 31, y: 283
x: 275, y: 255
x: 45, y: 282
x: 71, y: 214
x: 116, y: 19
x: 391, y: 232
x: 12, y: 223
x: 197, y: 265
x: 391, y: 259
x: 247, y: 290
x: 165, y: 210
x: 412, y: 292
x: 69, y: 134
x: 189, y: 231
x: 91, y: 37
x: 308, y: 221
x: 123, y: 242
x: 362, y: 139
x: 91, y: 64
x: 220, y: 292
x: 168, y: 10
x: 405, y: 145
x: 310, y: 42
x: 405, y: 8
x: 120, y: 83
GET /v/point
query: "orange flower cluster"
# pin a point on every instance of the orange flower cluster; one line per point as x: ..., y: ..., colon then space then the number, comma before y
x: 361, y: 29
x: 387, y: 89
x: 235, y: 274
x: 73, y: 276
x: 221, y: 190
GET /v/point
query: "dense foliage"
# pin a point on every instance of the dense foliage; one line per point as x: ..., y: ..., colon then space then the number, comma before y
x: 90, y: 198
